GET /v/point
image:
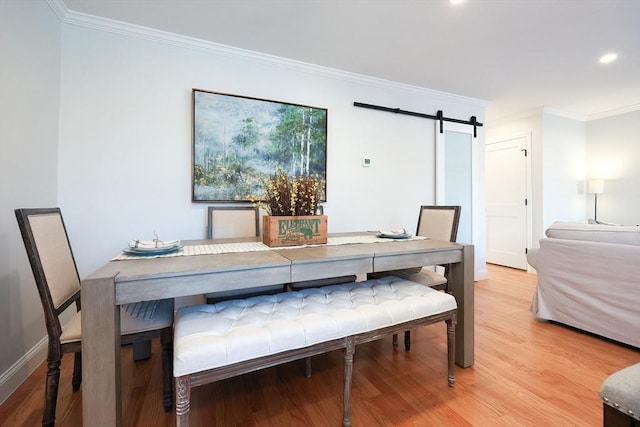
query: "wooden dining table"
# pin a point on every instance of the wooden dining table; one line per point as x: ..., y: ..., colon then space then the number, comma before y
x: 145, y: 279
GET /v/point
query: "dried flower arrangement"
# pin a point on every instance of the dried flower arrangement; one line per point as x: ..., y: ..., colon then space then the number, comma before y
x: 290, y: 196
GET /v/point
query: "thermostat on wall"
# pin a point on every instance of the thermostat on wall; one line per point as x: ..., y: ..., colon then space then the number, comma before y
x: 366, y: 162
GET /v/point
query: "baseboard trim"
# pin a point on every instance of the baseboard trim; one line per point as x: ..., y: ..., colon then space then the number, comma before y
x: 481, y: 274
x: 20, y: 371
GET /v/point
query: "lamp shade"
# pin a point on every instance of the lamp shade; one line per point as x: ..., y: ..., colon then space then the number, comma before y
x: 595, y: 186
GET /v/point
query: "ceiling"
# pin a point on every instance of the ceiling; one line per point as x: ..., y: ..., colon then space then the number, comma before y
x: 519, y: 55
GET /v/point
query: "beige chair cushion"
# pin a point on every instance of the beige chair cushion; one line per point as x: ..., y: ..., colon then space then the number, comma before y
x: 231, y: 223
x: 55, y: 256
x: 436, y: 224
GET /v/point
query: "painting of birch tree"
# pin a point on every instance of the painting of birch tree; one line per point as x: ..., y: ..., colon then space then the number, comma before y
x: 239, y: 141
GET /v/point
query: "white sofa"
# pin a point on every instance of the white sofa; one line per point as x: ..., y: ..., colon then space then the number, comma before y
x: 589, y: 278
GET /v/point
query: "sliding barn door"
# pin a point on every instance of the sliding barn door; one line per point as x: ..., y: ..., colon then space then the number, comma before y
x: 456, y: 175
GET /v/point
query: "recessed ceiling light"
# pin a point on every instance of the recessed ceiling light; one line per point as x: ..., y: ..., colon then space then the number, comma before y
x: 609, y: 57
x: 456, y: 1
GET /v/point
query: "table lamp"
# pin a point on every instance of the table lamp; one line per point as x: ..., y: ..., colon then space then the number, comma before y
x: 595, y: 187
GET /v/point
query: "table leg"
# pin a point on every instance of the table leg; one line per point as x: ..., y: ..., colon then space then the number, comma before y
x: 101, y: 402
x: 461, y: 279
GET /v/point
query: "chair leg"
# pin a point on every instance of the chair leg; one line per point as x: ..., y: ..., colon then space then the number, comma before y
x: 407, y: 340
x: 76, y: 379
x: 166, y: 341
x: 307, y: 367
x: 51, y: 393
x: 395, y: 340
x: 451, y: 351
x: 141, y: 350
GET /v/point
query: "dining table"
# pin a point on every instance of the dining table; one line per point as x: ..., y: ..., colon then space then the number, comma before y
x: 203, y: 266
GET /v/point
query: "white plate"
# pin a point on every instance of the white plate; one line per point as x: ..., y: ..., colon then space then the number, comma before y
x: 151, y: 251
x: 394, y: 236
x: 150, y: 245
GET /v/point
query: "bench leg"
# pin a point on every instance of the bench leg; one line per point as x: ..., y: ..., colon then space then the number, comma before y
x: 348, y: 373
x: 183, y: 401
x: 451, y: 351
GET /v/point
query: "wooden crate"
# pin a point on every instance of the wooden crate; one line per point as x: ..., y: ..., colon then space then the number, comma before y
x: 294, y: 230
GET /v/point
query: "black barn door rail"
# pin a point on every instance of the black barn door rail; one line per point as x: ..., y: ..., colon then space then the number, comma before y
x: 439, y: 116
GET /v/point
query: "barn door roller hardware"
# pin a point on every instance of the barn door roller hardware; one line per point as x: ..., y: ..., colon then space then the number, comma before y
x: 439, y: 116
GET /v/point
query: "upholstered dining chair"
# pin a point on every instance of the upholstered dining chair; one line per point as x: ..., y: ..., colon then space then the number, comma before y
x: 235, y: 222
x: 296, y: 286
x: 437, y: 223
x: 54, y: 269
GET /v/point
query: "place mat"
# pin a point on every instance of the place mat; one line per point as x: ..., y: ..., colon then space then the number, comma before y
x: 223, y: 248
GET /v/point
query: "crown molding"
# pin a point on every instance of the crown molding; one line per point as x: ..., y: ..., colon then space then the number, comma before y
x: 80, y: 19
x: 537, y: 112
x: 59, y: 8
x: 531, y: 113
x: 595, y: 116
x: 614, y: 112
x: 565, y: 114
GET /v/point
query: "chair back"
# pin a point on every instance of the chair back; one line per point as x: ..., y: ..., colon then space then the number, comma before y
x: 232, y: 221
x: 54, y: 268
x: 439, y: 222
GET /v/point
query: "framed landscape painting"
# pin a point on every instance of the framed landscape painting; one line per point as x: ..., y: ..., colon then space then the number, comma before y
x: 239, y: 141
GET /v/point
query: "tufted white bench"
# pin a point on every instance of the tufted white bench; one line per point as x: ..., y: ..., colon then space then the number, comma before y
x: 214, y: 342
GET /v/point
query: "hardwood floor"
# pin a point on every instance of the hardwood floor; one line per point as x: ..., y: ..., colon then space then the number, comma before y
x: 526, y: 373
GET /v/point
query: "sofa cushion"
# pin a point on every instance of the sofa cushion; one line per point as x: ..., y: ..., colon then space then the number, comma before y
x: 624, y: 235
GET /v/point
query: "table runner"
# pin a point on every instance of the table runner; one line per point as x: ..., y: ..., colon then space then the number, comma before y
x: 222, y: 248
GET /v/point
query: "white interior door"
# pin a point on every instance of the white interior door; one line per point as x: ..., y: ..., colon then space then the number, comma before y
x: 507, y: 202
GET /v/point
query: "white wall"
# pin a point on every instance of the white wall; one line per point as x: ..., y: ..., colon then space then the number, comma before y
x: 566, y: 152
x: 526, y: 126
x: 563, y: 169
x: 29, y: 103
x: 125, y: 135
x: 613, y: 154
x: 122, y: 166
x: 557, y: 167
